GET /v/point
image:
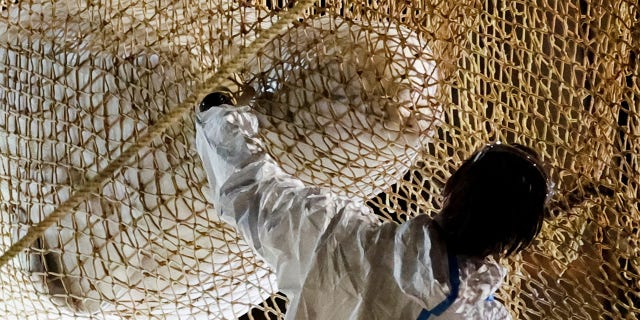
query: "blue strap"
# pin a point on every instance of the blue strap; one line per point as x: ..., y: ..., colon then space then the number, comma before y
x: 454, y: 280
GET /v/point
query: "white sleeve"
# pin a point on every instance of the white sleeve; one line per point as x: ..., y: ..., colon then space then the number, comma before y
x: 497, y: 311
x: 489, y: 310
x: 278, y: 216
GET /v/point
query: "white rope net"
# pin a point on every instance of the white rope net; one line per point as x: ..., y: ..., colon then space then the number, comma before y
x: 379, y: 100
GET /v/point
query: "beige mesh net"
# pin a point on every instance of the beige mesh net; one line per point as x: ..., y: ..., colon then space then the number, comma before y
x: 375, y: 99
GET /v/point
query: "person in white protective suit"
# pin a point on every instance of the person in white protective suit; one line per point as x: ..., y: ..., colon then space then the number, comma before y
x: 335, y: 260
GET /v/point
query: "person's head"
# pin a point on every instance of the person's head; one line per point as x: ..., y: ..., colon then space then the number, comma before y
x: 495, y: 203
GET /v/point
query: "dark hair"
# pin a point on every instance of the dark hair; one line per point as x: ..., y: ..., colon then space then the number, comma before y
x: 495, y: 203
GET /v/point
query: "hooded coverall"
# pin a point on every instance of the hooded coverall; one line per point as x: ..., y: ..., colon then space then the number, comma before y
x: 332, y: 257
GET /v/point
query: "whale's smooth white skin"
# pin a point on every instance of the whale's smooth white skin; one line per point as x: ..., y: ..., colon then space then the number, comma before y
x: 73, y: 96
x: 346, y: 104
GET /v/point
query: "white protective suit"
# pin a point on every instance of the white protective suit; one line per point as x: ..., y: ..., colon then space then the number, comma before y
x: 332, y: 257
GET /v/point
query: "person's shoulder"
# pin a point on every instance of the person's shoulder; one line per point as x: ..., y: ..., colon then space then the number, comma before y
x: 424, y: 221
x: 421, y: 226
x: 481, y: 278
x: 485, y: 270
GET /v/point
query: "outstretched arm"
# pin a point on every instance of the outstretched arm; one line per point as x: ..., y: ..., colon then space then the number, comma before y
x: 279, y: 217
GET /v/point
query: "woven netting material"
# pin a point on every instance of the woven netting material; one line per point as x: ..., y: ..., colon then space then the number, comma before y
x: 380, y: 100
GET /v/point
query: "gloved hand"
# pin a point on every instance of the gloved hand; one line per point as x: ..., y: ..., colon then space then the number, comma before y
x: 226, y: 139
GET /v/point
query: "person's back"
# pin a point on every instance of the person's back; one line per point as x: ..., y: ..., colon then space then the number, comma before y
x: 336, y: 261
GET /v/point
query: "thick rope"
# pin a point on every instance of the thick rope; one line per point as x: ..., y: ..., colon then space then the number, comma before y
x: 173, y: 117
